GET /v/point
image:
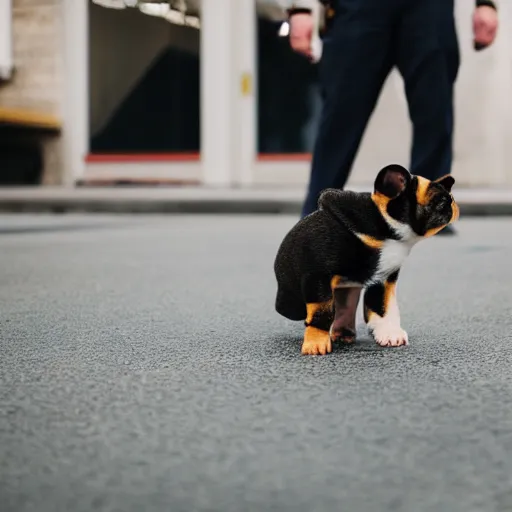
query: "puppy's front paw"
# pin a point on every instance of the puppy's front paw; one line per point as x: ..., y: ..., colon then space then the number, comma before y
x: 390, y: 336
x: 316, y: 342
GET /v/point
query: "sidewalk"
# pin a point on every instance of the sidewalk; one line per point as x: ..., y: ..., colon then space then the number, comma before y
x: 473, y: 202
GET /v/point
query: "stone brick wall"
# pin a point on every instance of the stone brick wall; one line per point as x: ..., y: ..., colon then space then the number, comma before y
x: 38, y: 58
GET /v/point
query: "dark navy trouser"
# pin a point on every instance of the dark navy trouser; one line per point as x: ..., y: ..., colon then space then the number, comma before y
x: 365, y: 41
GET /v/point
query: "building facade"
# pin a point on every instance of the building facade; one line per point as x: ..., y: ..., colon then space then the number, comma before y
x: 128, y: 96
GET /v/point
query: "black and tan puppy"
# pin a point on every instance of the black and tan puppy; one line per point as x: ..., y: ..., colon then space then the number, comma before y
x: 357, y: 241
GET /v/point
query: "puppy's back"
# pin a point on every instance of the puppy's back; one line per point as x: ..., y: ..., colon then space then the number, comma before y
x: 302, y: 252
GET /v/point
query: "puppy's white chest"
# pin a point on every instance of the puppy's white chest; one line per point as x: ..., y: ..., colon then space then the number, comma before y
x: 392, y: 255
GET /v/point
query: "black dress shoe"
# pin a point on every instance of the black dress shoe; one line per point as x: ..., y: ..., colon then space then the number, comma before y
x: 447, y: 230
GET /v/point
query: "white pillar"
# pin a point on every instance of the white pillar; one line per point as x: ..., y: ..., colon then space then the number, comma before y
x: 228, y: 95
x: 75, y: 88
x: 217, y: 90
x: 483, y: 112
x: 245, y: 143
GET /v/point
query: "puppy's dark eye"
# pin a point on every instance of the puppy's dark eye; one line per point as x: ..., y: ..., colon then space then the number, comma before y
x: 438, y: 202
x: 443, y: 201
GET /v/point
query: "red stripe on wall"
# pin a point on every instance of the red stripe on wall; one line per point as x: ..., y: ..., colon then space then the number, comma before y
x: 186, y: 157
x: 142, y: 157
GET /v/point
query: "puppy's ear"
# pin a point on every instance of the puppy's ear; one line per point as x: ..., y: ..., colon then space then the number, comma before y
x: 392, y: 180
x: 446, y: 181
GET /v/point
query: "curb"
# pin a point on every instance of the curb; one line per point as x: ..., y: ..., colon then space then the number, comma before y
x: 198, y: 206
x: 485, y: 209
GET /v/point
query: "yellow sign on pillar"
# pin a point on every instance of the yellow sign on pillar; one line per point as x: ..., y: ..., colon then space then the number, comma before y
x: 246, y: 84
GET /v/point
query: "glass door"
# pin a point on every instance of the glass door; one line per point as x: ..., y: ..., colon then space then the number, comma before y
x: 144, y: 84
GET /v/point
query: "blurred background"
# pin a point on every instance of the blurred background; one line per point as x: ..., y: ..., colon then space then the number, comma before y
x: 207, y: 93
x: 143, y: 366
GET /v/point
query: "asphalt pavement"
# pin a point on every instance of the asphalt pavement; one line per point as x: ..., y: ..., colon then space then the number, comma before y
x: 143, y: 368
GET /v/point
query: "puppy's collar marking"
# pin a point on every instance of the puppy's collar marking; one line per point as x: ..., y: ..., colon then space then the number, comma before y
x: 403, y: 231
x: 370, y: 241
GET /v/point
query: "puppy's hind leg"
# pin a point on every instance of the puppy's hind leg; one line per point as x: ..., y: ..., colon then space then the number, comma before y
x: 320, y: 314
x: 346, y: 296
x: 316, y: 339
x: 290, y: 305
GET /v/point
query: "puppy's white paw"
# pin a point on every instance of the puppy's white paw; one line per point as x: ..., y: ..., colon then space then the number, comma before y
x: 390, y: 335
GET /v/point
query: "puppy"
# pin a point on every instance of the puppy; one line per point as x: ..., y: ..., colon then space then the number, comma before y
x: 357, y: 241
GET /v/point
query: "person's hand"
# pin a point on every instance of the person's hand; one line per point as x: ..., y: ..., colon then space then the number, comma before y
x: 485, y: 26
x: 301, y: 33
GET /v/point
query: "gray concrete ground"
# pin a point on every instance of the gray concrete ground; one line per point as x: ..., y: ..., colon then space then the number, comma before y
x: 143, y: 368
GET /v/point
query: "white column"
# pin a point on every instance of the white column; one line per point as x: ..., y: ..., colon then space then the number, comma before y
x: 246, y: 94
x: 75, y: 88
x: 218, y: 87
x: 483, y: 112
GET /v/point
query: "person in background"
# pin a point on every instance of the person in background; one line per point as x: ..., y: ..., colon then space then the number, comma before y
x: 363, y: 41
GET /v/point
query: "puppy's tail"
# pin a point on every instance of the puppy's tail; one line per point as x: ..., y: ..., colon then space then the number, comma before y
x: 289, y: 306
